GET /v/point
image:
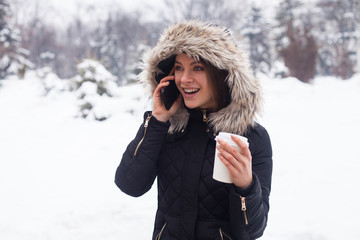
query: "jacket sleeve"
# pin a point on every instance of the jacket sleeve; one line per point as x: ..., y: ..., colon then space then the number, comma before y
x: 137, y: 170
x: 249, y: 208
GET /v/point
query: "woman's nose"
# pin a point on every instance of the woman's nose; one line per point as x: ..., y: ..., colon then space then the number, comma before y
x: 186, y: 77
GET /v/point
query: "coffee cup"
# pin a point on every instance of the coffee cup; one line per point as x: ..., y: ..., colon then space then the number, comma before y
x: 221, y: 172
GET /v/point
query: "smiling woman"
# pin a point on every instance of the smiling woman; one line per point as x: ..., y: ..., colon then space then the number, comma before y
x: 218, y: 93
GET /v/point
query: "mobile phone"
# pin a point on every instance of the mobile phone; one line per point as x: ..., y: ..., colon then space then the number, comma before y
x: 169, y: 94
x: 165, y: 66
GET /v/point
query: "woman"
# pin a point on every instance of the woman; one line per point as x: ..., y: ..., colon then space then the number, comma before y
x: 218, y: 93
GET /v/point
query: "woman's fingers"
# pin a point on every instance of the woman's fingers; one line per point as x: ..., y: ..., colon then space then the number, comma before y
x: 167, y: 78
x: 232, y: 169
x: 238, y: 163
x: 244, y: 146
x: 163, y: 84
x: 159, y: 87
x: 227, y: 148
x: 230, y: 155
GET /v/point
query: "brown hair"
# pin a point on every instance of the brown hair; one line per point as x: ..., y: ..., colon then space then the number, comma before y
x: 221, y: 90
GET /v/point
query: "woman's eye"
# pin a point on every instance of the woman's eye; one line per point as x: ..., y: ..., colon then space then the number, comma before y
x: 198, y: 68
x: 178, y: 68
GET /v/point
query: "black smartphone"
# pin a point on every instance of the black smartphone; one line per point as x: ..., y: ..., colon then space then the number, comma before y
x: 169, y: 94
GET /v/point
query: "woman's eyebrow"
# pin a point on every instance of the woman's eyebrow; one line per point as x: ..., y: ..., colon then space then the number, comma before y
x: 192, y: 63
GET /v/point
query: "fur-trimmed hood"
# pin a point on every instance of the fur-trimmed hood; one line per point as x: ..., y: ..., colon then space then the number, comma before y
x: 215, y: 45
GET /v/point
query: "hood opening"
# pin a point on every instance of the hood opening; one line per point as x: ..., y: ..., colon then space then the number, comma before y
x: 242, y: 95
x: 218, y: 79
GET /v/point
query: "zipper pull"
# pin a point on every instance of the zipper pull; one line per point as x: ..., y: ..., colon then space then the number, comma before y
x: 221, y: 235
x: 204, y: 115
x: 243, y: 208
x: 146, y: 124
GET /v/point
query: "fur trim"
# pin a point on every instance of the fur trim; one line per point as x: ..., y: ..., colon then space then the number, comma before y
x: 215, y: 45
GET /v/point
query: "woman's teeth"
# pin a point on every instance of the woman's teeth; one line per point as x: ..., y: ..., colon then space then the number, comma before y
x: 190, y: 91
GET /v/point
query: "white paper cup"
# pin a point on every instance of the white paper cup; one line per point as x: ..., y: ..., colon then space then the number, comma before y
x: 221, y: 173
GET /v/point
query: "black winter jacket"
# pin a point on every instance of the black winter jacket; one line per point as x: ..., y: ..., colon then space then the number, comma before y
x: 191, y: 204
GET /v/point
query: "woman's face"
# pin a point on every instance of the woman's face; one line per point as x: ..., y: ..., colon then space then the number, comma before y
x: 192, y: 80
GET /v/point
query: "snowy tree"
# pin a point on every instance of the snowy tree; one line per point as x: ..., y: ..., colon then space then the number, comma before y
x: 94, y: 85
x: 5, y: 39
x: 224, y: 12
x: 41, y: 39
x: 50, y: 45
x: 13, y: 58
x: 51, y: 83
x: 340, y: 19
x: 53, y: 48
x: 298, y: 47
x: 119, y: 44
x: 257, y: 32
x: 286, y: 13
x: 77, y: 42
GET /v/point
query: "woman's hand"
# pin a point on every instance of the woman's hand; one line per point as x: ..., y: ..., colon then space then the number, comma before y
x: 159, y: 110
x: 238, y: 163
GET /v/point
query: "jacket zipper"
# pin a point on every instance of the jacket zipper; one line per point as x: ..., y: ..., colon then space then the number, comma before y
x: 204, y: 115
x: 146, y: 124
x: 243, y: 208
x: 222, y: 235
x: 160, y: 233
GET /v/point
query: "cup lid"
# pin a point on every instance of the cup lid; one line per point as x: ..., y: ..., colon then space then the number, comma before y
x: 227, y: 137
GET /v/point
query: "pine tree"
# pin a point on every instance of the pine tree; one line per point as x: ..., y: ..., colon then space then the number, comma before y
x: 338, y: 53
x: 257, y: 32
x: 94, y: 84
x: 286, y: 13
x: 6, y: 39
x: 224, y: 12
x: 116, y: 45
x: 13, y: 58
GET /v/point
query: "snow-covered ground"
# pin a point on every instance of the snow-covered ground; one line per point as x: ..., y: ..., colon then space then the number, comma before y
x: 57, y: 171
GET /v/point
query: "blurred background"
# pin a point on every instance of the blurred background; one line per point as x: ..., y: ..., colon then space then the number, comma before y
x: 302, y: 39
x: 70, y: 104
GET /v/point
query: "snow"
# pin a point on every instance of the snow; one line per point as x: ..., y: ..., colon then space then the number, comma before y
x: 57, y: 171
x: 313, y: 130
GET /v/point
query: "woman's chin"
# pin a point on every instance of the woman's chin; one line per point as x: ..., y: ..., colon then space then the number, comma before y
x: 191, y: 106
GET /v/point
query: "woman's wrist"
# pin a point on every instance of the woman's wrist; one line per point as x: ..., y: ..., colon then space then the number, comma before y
x: 160, y: 117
